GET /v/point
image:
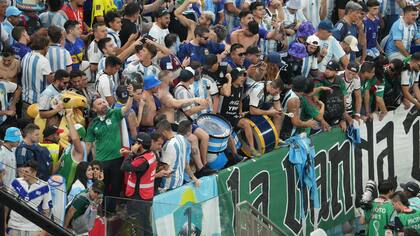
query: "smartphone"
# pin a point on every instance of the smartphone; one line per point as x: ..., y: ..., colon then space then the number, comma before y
x: 143, y: 40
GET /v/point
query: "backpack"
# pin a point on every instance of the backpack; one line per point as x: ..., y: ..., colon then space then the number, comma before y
x: 334, y: 104
x: 43, y: 156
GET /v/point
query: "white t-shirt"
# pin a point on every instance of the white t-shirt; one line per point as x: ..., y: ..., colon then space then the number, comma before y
x: 158, y: 33
x: 256, y: 95
x: 8, y: 158
x: 105, y: 85
x: 409, y: 78
x: 37, y: 194
x: 351, y: 86
x: 93, y: 53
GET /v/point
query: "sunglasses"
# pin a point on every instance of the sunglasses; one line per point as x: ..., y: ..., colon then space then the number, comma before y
x: 205, y: 38
x: 242, y: 54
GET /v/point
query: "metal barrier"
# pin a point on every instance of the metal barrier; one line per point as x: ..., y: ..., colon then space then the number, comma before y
x: 251, y: 222
x: 131, y: 217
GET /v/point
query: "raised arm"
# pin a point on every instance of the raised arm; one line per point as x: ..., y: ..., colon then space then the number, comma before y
x: 129, y: 102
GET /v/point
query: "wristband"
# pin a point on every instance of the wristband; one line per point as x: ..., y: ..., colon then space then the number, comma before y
x: 130, y: 95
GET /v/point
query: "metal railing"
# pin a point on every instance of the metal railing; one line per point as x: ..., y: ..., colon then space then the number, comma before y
x: 24, y: 208
x: 249, y: 221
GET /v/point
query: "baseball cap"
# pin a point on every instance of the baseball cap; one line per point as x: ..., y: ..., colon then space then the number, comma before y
x: 332, y: 65
x: 353, y: 67
x: 313, y: 40
x: 253, y: 50
x: 352, y: 42
x: 13, y: 11
x: 161, y: 12
x: 411, y: 187
x: 293, y: 4
x: 150, y: 82
x: 326, y: 25
x: 98, y: 186
x: 50, y: 130
x: 13, y: 134
x: 235, y: 73
x: 144, y: 139
x: 275, y: 58
x: 186, y: 74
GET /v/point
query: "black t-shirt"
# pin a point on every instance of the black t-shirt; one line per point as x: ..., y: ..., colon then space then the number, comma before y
x: 218, y: 76
x: 128, y: 28
x: 229, y: 106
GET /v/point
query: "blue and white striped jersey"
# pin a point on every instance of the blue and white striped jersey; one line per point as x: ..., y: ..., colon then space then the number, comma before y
x: 34, y: 67
x: 175, y: 154
x: 59, y: 57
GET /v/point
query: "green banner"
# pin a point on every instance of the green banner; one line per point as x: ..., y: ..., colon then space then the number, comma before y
x: 270, y: 184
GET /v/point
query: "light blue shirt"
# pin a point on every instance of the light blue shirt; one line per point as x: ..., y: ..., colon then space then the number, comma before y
x: 334, y: 52
x: 405, y: 33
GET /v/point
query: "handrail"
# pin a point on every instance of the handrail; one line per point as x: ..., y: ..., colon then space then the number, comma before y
x: 21, y: 207
x: 257, y: 213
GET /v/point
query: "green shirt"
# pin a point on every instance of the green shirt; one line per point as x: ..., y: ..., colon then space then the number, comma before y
x: 307, y: 109
x: 410, y: 220
x: 378, y: 217
x: 106, y: 132
x: 81, y: 202
x: 368, y: 84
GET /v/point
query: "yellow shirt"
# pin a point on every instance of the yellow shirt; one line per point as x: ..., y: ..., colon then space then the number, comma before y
x: 101, y: 7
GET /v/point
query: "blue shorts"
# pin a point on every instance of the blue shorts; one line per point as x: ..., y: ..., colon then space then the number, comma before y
x: 194, y: 127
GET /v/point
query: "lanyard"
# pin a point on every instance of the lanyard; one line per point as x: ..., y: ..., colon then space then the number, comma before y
x: 76, y: 13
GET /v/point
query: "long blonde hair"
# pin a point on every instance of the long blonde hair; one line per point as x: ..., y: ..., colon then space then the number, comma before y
x: 272, y: 71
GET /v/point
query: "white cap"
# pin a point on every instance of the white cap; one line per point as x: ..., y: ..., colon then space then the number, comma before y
x: 352, y: 42
x: 313, y: 40
x: 318, y: 232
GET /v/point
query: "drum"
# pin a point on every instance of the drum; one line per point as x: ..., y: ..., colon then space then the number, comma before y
x: 218, y: 129
x: 265, y: 135
x: 236, y: 140
x: 57, y: 185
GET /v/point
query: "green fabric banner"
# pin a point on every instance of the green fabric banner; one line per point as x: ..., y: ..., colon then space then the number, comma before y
x: 270, y: 184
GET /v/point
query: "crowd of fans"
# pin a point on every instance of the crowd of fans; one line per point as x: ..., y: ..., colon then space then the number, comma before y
x: 115, y: 87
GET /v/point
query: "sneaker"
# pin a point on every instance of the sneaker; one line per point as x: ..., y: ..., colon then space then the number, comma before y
x: 238, y: 158
x: 205, y: 171
x: 254, y: 152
